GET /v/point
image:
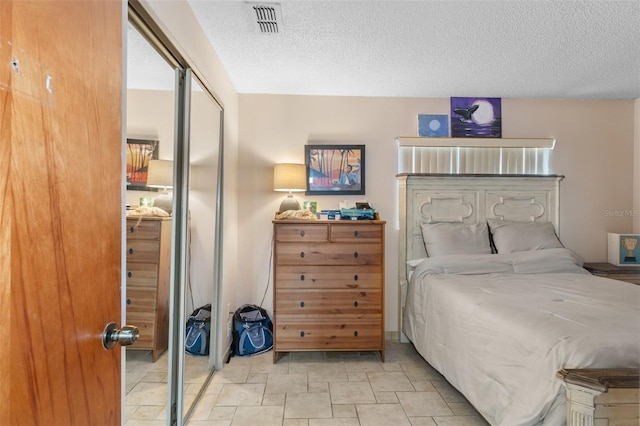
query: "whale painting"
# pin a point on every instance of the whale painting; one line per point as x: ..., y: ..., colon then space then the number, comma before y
x: 476, y: 117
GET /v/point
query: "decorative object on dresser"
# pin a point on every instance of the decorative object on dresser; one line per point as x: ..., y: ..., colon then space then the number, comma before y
x: 148, y: 272
x: 602, y: 396
x: 630, y: 274
x: 623, y: 249
x: 289, y: 177
x: 161, y: 176
x: 328, y: 286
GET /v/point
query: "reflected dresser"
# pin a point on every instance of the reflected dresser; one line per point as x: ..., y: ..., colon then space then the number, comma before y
x: 148, y: 255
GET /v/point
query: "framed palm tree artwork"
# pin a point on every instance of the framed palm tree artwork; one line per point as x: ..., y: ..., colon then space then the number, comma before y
x: 139, y: 153
x: 335, y: 169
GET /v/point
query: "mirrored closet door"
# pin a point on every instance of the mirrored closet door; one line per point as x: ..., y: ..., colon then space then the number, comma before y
x: 176, y: 123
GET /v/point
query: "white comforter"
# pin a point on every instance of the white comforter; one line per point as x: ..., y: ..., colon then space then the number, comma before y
x: 499, y: 327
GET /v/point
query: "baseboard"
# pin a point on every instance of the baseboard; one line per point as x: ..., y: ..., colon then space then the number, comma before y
x: 391, y: 335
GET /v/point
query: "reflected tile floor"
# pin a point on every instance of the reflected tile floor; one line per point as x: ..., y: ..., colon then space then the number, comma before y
x: 146, y: 386
x: 333, y: 389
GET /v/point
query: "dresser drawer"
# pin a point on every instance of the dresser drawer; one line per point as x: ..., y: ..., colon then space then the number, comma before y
x: 328, y: 254
x: 143, y: 229
x: 141, y: 300
x: 354, y: 232
x: 322, y: 335
x: 321, y: 277
x: 302, y: 233
x: 321, y: 303
x: 146, y: 328
x: 142, y: 274
x: 142, y: 251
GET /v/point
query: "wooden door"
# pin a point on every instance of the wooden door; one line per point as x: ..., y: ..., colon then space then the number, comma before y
x: 61, y: 215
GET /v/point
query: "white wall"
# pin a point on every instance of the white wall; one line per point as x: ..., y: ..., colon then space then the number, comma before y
x: 595, y: 142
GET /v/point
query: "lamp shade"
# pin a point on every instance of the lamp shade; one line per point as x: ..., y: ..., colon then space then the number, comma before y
x: 290, y: 177
x: 160, y: 174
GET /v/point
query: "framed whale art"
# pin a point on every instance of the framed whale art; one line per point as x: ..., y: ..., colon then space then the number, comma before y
x: 476, y: 117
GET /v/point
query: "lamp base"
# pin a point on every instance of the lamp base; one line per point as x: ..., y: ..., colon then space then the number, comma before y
x: 164, y: 201
x: 289, y: 203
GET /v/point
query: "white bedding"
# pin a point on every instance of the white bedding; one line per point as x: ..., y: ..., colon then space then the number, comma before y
x: 499, y: 327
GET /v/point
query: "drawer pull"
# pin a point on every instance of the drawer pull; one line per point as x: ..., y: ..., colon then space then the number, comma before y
x: 302, y: 334
x: 355, y: 333
x: 302, y: 233
x: 301, y: 254
x: 129, y: 274
x: 130, y: 251
x: 355, y: 254
x: 355, y: 304
x: 128, y: 301
x: 355, y: 277
x: 302, y: 304
x: 302, y: 277
x: 355, y: 233
x: 132, y: 229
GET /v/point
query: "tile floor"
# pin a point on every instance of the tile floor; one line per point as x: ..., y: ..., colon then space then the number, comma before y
x: 146, y: 387
x: 333, y: 389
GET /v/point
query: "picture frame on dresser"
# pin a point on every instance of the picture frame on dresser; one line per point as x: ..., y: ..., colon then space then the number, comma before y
x: 335, y: 169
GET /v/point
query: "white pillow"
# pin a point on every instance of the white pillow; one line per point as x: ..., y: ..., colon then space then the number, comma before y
x: 510, y: 236
x: 455, y: 238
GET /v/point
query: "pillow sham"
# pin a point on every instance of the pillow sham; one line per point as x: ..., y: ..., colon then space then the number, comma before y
x: 455, y: 238
x: 511, y: 236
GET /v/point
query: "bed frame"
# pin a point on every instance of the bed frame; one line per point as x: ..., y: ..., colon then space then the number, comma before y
x: 468, y: 199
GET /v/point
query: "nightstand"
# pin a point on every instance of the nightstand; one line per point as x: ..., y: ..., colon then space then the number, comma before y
x: 630, y: 274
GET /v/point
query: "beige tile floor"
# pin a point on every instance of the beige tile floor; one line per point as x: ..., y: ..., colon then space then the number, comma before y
x: 146, y: 387
x: 333, y: 389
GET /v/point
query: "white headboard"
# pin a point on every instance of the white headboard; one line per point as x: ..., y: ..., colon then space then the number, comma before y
x: 469, y: 199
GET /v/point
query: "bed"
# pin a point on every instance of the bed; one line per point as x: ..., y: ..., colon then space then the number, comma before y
x: 499, y: 326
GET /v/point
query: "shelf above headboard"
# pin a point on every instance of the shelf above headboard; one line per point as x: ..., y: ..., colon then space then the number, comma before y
x: 519, y: 156
x: 416, y: 141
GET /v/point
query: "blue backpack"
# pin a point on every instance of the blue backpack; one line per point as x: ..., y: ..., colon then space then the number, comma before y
x: 252, y: 331
x: 198, y: 331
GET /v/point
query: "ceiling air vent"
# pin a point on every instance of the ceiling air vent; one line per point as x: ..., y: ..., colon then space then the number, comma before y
x: 266, y: 18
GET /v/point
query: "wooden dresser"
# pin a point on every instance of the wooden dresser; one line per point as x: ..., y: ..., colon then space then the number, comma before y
x: 328, y: 286
x: 630, y: 274
x: 148, y: 274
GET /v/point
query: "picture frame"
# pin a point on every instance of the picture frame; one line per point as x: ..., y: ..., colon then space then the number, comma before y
x: 476, y: 117
x: 433, y: 125
x: 139, y: 153
x: 335, y: 169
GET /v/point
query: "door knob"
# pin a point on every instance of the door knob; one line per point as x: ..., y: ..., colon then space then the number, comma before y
x: 125, y: 335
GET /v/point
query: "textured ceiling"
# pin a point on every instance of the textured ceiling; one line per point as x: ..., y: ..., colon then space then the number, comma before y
x: 517, y: 49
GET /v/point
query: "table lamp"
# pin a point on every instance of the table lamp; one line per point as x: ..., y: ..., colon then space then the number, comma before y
x: 289, y: 178
x: 160, y: 175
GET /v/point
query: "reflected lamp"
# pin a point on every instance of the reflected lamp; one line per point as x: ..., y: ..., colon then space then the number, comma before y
x: 289, y: 177
x: 160, y: 175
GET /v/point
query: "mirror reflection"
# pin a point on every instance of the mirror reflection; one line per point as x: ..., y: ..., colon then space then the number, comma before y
x: 150, y: 131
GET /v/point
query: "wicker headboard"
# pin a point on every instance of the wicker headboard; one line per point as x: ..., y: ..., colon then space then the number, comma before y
x: 468, y: 199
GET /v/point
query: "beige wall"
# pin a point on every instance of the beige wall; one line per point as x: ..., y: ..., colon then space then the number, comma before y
x: 636, y: 171
x: 594, y: 152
